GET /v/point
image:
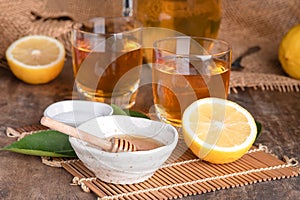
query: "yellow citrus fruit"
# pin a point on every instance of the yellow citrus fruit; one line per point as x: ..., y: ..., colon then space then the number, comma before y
x: 36, y: 59
x: 217, y: 130
x: 288, y: 54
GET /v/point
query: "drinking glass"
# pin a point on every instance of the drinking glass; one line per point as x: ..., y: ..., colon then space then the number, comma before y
x: 107, y: 59
x: 186, y: 69
x: 201, y: 18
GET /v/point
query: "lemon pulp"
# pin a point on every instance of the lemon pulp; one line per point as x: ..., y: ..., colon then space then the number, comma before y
x: 36, y: 59
x: 218, y: 130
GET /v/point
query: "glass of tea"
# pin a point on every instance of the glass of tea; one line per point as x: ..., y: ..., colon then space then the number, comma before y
x: 199, y: 18
x: 107, y: 59
x: 186, y: 69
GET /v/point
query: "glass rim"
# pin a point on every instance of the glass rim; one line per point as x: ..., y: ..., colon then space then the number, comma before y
x: 129, y: 18
x: 228, y: 48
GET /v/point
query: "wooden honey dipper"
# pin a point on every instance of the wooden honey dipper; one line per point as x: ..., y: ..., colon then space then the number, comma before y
x: 113, y: 145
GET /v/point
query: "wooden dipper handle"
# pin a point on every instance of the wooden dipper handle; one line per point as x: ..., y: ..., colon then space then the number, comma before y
x: 79, y: 134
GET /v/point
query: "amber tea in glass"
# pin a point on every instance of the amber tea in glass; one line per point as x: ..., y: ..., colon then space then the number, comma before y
x: 194, y: 18
x: 186, y: 69
x: 200, y: 18
x: 107, y: 59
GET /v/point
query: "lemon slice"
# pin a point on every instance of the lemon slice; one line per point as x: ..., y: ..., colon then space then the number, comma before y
x: 217, y: 130
x: 36, y: 59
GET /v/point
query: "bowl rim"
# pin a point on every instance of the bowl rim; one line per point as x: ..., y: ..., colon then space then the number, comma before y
x: 52, y: 106
x: 171, y: 145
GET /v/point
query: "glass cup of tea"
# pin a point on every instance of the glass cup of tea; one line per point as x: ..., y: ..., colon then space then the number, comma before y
x: 107, y: 59
x: 186, y: 69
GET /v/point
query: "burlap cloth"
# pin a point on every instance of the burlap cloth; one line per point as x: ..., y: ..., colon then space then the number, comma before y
x: 245, y: 23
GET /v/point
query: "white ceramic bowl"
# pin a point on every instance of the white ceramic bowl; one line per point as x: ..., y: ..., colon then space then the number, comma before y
x: 75, y: 112
x: 125, y: 167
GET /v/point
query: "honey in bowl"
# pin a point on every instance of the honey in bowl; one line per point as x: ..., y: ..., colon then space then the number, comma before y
x: 142, y: 143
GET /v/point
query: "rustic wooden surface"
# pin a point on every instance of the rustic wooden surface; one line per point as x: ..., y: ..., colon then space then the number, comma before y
x: 25, y: 177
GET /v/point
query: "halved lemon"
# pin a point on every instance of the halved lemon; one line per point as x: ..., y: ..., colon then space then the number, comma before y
x: 217, y: 130
x: 36, y: 59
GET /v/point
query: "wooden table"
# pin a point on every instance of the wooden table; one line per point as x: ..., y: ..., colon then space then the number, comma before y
x: 25, y: 177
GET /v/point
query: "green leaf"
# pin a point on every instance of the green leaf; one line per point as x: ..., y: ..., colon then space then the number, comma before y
x: 119, y: 111
x: 259, y: 129
x: 43, y: 143
x: 134, y: 113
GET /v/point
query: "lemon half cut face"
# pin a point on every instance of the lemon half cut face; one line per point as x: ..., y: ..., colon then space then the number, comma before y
x: 36, y: 59
x: 217, y: 130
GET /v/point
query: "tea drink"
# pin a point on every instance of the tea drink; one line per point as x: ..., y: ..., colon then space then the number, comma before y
x: 186, y: 69
x: 108, y: 83
x: 199, y: 18
x: 194, y: 18
x: 174, y: 91
x: 107, y: 59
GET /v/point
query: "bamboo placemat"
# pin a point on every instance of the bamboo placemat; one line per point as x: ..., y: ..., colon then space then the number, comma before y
x: 183, y: 174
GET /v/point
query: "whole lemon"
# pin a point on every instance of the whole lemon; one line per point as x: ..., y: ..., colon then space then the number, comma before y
x: 289, y: 52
